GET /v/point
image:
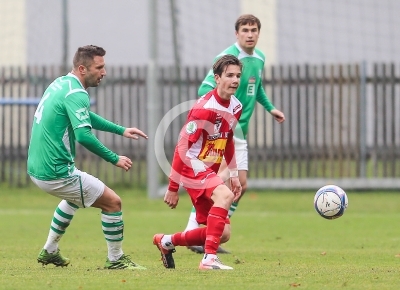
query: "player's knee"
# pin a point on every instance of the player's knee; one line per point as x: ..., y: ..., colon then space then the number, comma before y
x: 111, y: 201
x: 226, y: 235
x: 228, y: 197
x: 222, y: 197
x: 116, y: 203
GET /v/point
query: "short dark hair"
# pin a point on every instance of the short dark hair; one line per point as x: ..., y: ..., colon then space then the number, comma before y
x: 247, y: 19
x: 222, y: 63
x: 85, y: 54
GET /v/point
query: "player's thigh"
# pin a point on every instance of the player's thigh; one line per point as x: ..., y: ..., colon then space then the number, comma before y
x: 81, y: 188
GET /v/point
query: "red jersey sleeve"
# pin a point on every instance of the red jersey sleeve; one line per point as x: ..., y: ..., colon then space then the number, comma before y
x: 190, y: 133
x: 196, y: 122
x: 177, y: 163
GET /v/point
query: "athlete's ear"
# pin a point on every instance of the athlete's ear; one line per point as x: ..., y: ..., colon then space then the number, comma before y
x: 217, y: 78
x: 82, y: 69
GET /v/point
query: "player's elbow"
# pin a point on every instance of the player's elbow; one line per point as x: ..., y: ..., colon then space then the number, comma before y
x: 81, y: 140
x: 83, y: 137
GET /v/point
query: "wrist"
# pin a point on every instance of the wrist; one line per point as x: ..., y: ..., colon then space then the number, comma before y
x: 120, y: 130
x: 233, y: 173
x: 173, y: 186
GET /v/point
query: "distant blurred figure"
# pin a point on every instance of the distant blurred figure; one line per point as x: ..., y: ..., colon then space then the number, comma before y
x: 62, y: 117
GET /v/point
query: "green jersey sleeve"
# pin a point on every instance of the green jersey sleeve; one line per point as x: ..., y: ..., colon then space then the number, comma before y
x: 77, y: 106
x: 206, y: 86
x: 86, y: 138
x: 263, y: 99
x: 101, y: 124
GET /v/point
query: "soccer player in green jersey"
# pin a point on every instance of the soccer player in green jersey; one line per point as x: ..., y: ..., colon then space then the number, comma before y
x: 250, y: 91
x: 62, y: 117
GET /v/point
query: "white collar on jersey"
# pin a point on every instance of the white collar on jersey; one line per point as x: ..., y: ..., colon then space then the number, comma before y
x: 242, y: 51
x: 243, y: 54
x: 74, y: 76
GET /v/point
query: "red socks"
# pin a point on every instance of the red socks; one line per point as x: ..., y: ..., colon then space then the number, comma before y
x: 208, y: 236
x: 215, y: 227
x: 194, y: 237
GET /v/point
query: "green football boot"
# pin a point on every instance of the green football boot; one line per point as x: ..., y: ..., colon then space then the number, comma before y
x: 124, y: 262
x: 55, y: 258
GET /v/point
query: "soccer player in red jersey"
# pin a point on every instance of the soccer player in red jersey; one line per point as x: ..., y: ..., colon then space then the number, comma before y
x: 205, y: 139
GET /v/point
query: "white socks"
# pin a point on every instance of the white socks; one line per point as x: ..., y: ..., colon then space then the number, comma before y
x: 192, y: 223
x: 62, y: 218
x: 113, y: 229
x: 208, y: 257
x: 166, y: 242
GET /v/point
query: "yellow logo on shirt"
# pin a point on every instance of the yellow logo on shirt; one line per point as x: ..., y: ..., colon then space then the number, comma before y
x: 213, y: 151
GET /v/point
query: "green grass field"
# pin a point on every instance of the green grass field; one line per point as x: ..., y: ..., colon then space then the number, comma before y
x: 278, y: 242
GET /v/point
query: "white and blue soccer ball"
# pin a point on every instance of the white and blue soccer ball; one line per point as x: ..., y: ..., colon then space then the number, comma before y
x: 330, y: 201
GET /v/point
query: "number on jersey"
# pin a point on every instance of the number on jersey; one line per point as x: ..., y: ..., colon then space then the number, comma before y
x: 40, y: 108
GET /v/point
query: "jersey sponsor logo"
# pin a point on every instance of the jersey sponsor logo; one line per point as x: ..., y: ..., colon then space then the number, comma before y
x: 218, y: 136
x: 82, y: 114
x: 217, y: 125
x: 191, y: 127
x: 251, y: 89
x: 235, y: 109
x: 252, y: 80
x: 213, y: 151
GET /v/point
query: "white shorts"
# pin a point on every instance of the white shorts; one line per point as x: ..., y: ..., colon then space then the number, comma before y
x: 241, y: 154
x: 81, y: 188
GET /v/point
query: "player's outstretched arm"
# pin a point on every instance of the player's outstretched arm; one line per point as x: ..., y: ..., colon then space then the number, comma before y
x: 134, y: 133
x: 102, y: 124
x: 87, y: 139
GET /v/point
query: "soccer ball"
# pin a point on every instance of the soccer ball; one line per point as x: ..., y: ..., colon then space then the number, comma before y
x: 330, y: 201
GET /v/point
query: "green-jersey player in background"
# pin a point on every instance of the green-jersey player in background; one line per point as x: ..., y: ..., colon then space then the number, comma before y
x: 250, y: 91
x: 62, y: 117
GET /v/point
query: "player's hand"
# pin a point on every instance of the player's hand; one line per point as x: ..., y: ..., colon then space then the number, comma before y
x: 236, y: 188
x: 278, y: 115
x: 171, y: 199
x: 124, y: 163
x: 134, y: 133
